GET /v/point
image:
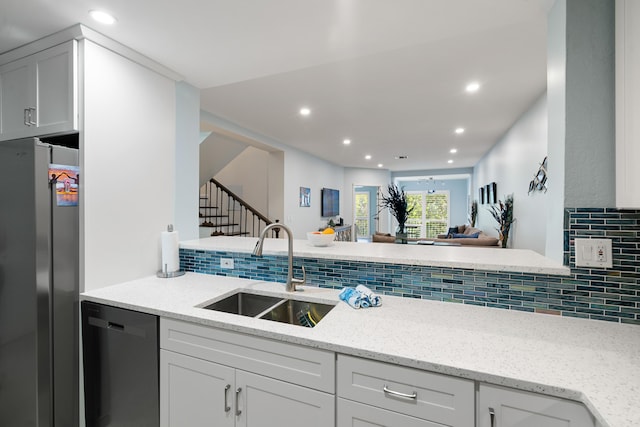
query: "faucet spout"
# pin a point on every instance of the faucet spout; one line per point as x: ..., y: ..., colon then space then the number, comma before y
x: 257, y: 251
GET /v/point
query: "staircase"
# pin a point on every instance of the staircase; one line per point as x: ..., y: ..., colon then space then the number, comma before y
x: 226, y: 214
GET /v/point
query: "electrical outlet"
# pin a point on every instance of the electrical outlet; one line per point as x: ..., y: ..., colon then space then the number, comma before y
x: 226, y: 262
x: 594, y: 253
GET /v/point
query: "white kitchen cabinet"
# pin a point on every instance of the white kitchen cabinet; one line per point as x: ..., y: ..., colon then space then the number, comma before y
x: 401, y: 395
x: 215, y: 377
x: 194, y: 392
x: 504, y: 407
x: 627, y: 103
x: 38, y: 93
x: 354, y: 414
x: 263, y: 401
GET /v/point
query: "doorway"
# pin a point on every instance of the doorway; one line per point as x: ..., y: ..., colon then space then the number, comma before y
x: 365, y: 203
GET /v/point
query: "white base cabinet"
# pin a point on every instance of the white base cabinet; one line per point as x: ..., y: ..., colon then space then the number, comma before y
x: 38, y: 93
x: 504, y: 407
x: 372, y: 391
x: 194, y: 392
x: 354, y: 414
x: 211, y: 377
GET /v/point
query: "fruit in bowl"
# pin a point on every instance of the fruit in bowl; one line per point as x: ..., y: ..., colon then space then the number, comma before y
x: 321, y: 238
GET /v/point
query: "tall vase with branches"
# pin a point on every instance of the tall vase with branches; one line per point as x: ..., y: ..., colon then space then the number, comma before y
x: 503, y: 214
x: 396, y: 201
x: 473, y: 215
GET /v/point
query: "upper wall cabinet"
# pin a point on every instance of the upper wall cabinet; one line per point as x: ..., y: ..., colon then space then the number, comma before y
x: 627, y: 103
x: 38, y: 93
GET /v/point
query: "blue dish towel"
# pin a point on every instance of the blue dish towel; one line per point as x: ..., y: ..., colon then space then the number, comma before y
x: 369, y: 296
x: 351, y: 297
x: 360, y: 297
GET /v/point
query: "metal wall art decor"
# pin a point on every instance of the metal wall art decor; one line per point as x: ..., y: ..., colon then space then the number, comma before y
x: 305, y: 197
x: 539, y: 181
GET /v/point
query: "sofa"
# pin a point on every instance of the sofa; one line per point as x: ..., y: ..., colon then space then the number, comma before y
x: 379, y: 237
x: 467, y: 236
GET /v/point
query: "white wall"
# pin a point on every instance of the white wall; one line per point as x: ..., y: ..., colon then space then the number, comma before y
x: 249, y: 171
x: 365, y: 177
x: 556, y: 101
x: 128, y: 148
x: 511, y: 164
x: 216, y: 151
x: 304, y: 170
x: 187, y: 151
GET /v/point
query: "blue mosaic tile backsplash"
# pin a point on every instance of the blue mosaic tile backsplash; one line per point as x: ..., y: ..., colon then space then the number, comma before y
x: 610, y: 294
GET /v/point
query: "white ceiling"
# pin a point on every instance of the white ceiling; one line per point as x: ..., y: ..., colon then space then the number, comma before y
x: 388, y: 74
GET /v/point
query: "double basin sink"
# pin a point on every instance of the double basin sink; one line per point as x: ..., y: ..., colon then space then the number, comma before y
x: 278, y: 309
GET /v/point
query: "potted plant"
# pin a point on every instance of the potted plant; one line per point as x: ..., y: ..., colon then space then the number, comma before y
x: 396, y: 202
x: 503, y: 214
x: 474, y: 213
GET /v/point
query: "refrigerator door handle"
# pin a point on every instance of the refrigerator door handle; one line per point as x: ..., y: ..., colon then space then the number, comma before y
x: 33, y: 117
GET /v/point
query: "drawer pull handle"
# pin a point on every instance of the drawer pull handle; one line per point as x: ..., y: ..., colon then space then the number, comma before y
x: 238, y: 411
x: 412, y: 396
x: 227, y: 408
x: 492, y: 417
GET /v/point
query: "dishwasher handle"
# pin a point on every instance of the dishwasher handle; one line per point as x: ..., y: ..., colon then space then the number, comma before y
x: 118, y: 327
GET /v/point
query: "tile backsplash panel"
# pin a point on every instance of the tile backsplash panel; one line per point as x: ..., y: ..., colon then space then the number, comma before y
x: 602, y: 294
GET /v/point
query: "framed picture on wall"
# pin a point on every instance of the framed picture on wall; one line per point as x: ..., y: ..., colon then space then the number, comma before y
x: 481, y: 195
x: 487, y: 193
x: 305, y: 197
x: 494, y: 192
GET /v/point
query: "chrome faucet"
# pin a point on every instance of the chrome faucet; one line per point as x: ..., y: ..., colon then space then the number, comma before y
x: 257, y: 251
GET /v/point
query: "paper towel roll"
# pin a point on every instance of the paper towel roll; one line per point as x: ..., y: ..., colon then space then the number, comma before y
x: 170, y: 252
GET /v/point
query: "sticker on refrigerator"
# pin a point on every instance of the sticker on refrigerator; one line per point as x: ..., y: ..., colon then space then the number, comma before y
x: 66, y: 179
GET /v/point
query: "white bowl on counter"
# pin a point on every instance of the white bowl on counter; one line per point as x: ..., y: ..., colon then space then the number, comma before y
x: 320, y: 239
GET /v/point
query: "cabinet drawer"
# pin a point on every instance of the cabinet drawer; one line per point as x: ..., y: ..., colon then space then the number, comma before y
x: 433, y: 397
x: 354, y: 414
x: 292, y: 363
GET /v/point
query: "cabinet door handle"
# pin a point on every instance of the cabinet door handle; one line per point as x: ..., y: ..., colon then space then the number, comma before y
x: 492, y: 417
x: 26, y: 117
x: 227, y: 408
x: 238, y: 411
x: 412, y: 396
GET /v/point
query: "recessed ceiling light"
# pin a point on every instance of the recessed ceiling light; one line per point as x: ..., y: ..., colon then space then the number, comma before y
x: 368, y: 157
x: 304, y: 111
x: 102, y: 17
x: 380, y: 165
x: 453, y: 150
x: 346, y: 142
x: 449, y: 161
x: 472, y: 87
x: 459, y: 130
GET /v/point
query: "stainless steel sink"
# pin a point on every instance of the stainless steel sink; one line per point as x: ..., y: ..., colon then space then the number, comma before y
x: 297, y: 312
x: 285, y: 310
x: 244, y: 303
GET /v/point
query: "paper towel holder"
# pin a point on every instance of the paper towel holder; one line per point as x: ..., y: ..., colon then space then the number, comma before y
x: 169, y: 274
x: 164, y: 274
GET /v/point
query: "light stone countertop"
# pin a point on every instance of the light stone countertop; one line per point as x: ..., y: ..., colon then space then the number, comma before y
x: 594, y: 362
x: 474, y: 257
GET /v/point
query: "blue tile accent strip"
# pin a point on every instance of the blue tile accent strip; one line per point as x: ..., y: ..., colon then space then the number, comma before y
x: 601, y: 294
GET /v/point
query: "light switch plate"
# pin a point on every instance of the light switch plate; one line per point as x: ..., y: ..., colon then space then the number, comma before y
x: 594, y: 253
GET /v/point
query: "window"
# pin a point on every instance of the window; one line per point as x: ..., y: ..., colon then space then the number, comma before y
x: 430, y: 216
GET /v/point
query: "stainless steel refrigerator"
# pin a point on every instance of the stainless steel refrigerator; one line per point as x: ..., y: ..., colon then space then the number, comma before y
x: 39, y: 251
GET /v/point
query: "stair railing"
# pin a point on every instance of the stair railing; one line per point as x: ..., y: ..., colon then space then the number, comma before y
x: 229, y: 215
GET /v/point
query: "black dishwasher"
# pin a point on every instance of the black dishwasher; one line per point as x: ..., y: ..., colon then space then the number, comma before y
x: 121, y: 376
